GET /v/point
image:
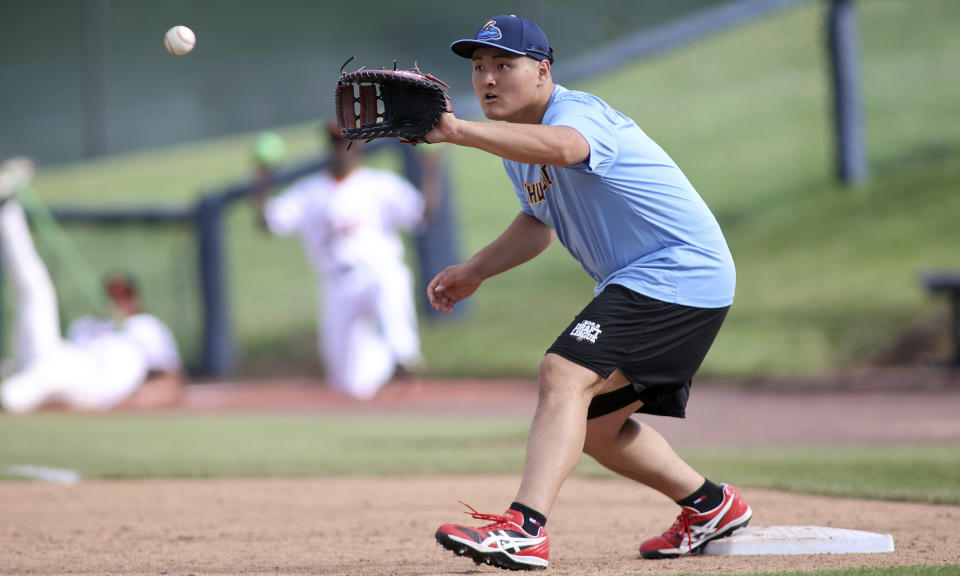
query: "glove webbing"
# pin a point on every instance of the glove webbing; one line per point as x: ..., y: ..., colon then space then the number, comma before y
x: 346, y: 101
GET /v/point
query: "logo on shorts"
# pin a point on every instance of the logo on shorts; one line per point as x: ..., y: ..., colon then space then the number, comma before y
x: 586, y: 330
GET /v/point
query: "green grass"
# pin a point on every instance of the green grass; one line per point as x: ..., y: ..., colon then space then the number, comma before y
x: 825, y: 275
x: 153, y: 446
x: 921, y: 473
x: 253, y: 446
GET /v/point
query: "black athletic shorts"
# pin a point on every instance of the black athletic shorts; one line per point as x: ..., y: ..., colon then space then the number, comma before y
x: 657, y: 345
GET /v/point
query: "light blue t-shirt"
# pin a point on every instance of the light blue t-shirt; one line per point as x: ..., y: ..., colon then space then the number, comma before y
x: 627, y: 214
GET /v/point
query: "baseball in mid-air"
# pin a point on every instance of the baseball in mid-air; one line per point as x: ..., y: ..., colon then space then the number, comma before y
x: 179, y: 40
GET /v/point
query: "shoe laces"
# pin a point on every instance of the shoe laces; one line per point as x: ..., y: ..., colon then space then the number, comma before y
x: 498, y: 521
x: 681, y: 526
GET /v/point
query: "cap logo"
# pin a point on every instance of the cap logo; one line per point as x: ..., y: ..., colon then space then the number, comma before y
x: 489, y: 31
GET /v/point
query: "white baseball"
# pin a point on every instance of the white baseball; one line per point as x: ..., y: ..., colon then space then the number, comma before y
x: 179, y: 40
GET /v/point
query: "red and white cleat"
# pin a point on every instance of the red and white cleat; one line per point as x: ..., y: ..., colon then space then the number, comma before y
x: 693, y: 530
x: 504, y: 543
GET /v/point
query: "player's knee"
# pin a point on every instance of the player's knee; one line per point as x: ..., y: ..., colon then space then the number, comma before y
x: 559, y: 376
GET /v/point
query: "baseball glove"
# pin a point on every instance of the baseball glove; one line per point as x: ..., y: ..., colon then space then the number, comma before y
x: 402, y: 104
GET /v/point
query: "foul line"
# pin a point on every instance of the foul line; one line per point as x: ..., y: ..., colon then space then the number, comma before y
x: 43, y: 473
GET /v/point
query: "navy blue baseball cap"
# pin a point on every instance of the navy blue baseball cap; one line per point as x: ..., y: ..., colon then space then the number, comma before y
x: 508, y: 32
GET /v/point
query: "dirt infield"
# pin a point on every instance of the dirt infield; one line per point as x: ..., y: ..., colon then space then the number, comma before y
x: 378, y: 526
x: 375, y: 526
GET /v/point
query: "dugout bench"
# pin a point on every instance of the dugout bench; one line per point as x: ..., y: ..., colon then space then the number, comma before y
x: 948, y: 283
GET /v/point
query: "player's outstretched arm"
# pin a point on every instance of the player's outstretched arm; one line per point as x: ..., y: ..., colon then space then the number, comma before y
x: 524, y: 239
x: 526, y: 143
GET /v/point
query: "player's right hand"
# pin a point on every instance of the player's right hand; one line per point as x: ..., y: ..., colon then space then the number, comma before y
x: 451, y: 285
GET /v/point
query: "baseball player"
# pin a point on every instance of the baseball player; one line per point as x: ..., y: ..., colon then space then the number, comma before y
x: 129, y: 360
x: 349, y: 219
x: 588, y: 175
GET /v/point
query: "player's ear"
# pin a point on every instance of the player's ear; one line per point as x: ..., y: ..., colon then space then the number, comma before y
x: 543, y: 72
x: 543, y: 69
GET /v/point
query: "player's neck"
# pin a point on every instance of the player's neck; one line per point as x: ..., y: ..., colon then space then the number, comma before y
x: 342, y: 176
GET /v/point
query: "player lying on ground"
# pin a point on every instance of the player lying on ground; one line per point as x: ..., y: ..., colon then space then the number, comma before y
x: 129, y: 360
x: 588, y: 175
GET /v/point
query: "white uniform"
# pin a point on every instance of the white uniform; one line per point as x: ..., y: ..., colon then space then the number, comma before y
x: 100, y: 363
x: 349, y: 230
